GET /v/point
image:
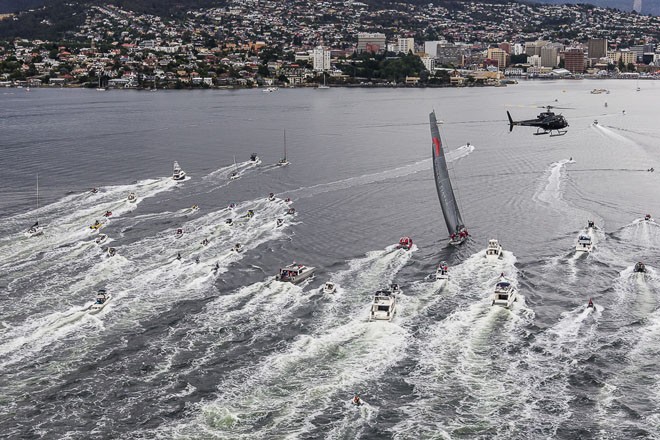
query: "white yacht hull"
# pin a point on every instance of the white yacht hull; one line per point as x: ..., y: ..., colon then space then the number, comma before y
x: 96, y: 308
x: 297, y: 278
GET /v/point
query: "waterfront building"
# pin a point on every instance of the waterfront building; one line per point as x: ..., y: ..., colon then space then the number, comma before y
x: 495, y: 53
x: 371, y: 42
x: 549, y: 56
x: 404, y: 45
x: 321, y: 59
x: 597, y: 48
x: 574, y: 60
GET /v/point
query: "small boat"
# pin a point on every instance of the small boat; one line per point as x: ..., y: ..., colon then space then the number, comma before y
x: 442, y: 273
x: 329, y: 287
x: 505, y: 293
x: 100, y: 239
x: 229, y: 222
x: 283, y: 162
x: 270, y: 89
x: 107, y: 213
x: 244, y: 218
x: 102, y: 299
x: 595, y: 121
x: 231, y: 206
x: 255, y: 159
x: 590, y: 305
x: 271, y: 197
x: 237, y: 248
x: 294, y: 273
x: 584, y: 243
x: 288, y: 200
x: 94, y: 190
x: 494, y: 249
x: 356, y: 401
x: 591, y: 225
x: 194, y: 208
x: 648, y: 218
x: 112, y: 252
x: 35, y: 230
x: 96, y: 226
x: 405, y: 243
x: 177, y: 172
x: 234, y: 174
x: 178, y: 233
x: 132, y: 198
x: 280, y: 222
x: 639, y: 268
x: 291, y: 211
x: 383, y: 306
x: 205, y: 242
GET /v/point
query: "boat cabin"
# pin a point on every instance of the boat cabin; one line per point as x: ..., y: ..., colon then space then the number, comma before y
x: 639, y: 268
x: 505, y: 293
x: 494, y: 249
x: 383, y: 306
x: 178, y: 173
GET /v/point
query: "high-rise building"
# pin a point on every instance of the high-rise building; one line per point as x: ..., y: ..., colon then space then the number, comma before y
x: 495, y: 53
x: 404, y: 45
x: 597, y: 48
x: 534, y: 47
x: 574, y: 60
x: 321, y: 59
x: 431, y: 48
x: 549, y: 56
x: 371, y: 42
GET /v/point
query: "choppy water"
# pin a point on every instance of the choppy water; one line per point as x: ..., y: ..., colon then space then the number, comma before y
x: 183, y: 351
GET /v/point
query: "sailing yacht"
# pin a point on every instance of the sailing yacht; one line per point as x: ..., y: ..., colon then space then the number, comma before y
x: 35, y: 229
x: 234, y: 174
x: 457, y: 231
x: 283, y: 162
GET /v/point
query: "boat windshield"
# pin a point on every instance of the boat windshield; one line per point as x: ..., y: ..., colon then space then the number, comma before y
x: 383, y: 308
x: 503, y: 285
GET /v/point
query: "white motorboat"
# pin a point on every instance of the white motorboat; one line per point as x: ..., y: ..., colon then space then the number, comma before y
x: 294, y: 273
x: 383, y: 306
x: 132, y: 198
x: 494, y: 249
x: 35, y: 229
x: 101, y: 239
x: 102, y: 299
x: 271, y: 197
x: 442, y: 273
x: 255, y: 159
x: 229, y: 222
x: 177, y: 172
x: 112, y: 252
x: 591, y: 226
x: 648, y: 218
x: 237, y: 248
x: 584, y: 243
x: 639, y: 267
x: 505, y: 293
x: 279, y: 222
x: 270, y: 89
x: 178, y: 233
x: 291, y: 211
x: 193, y: 209
x: 329, y: 287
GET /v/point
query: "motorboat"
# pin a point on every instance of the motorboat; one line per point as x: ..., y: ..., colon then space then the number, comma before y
x: 229, y: 222
x: 442, y: 273
x: 255, y: 159
x: 584, y: 243
x: 102, y: 299
x: 132, y: 198
x: 178, y: 233
x: 177, y: 172
x: 590, y: 305
x: 639, y: 268
x: 193, y: 209
x: 288, y: 200
x: 291, y: 211
x: 591, y: 224
x: 356, y: 401
x: 100, y: 239
x: 329, y: 287
x: 280, y: 222
x: 107, y: 213
x: 112, y: 252
x: 494, y: 249
x: 271, y: 197
x: 34, y: 230
x: 96, y: 226
x: 505, y: 293
x: 244, y: 218
x: 595, y: 121
x: 648, y: 218
x: 294, y: 273
x: 270, y: 89
x: 237, y: 248
x: 405, y: 243
x: 231, y: 206
x: 383, y: 306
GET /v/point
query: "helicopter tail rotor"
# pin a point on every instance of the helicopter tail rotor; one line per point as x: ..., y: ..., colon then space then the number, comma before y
x: 511, y: 123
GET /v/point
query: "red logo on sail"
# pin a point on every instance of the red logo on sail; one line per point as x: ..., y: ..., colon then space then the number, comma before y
x: 436, y: 142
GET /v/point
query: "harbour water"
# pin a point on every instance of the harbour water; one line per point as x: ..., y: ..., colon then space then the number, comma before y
x: 184, y: 351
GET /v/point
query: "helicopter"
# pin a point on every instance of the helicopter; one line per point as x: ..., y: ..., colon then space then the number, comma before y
x: 547, y: 122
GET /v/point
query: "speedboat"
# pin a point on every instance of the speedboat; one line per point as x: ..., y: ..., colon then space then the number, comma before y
x: 246, y: 217
x: 178, y: 233
x: 383, y: 306
x: 648, y: 218
x: 442, y: 273
x: 34, y: 230
x: 229, y: 222
x: 101, y: 238
x: 590, y: 305
x: 294, y: 273
x: 595, y: 121
x: 96, y: 226
x: 288, y: 200
x: 584, y: 243
x: 494, y: 250
x: 234, y: 175
x: 111, y: 252
x: 329, y: 287
x: 271, y: 197
x: 591, y: 224
x: 405, y: 243
x: 178, y: 173
x: 237, y: 248
x: 280, y: 222
x: 102, y: 299
x: 505, y: 293
x: 270, y: 89
x: 639, y: 268
x: 291, y: 211
x: 255, y: 159
x: 194, y: 208
x: 107, y: 214
x: 132, y: 198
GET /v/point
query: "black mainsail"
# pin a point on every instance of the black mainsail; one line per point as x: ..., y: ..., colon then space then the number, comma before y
x: 453, y: 219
